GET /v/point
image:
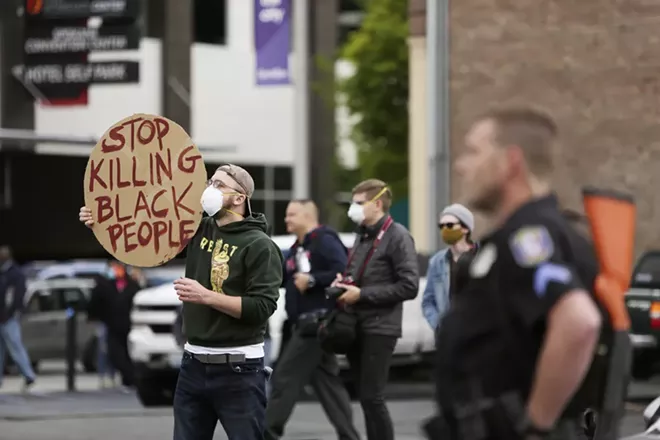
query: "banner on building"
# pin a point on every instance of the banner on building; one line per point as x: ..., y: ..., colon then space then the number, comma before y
x: 272, y: 39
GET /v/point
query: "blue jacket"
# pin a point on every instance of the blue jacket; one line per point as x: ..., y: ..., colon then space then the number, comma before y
x: 435, y: 300
x: 327, y: 256
x: 12, y: 291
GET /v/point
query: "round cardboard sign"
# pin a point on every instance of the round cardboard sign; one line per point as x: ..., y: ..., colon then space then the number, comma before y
x: 144, y: 182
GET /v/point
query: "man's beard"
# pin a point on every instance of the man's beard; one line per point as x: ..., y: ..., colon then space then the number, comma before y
x: 222, y: 213
x: 489, y: 201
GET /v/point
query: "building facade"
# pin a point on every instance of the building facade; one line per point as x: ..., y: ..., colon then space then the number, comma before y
x: 232, y: 120
x: 592, y: 65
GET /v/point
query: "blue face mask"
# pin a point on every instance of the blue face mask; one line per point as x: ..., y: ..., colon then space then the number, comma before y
x: 111, y: 273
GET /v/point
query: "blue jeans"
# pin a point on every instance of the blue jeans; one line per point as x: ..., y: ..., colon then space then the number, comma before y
x: 10, y: 340
x: 104, y: 366
x: 234, y: 394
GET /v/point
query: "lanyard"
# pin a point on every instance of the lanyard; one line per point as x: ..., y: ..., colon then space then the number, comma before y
x: 379, y: 238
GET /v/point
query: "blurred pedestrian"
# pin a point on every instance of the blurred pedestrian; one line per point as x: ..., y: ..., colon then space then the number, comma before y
x: 518, y: 339
x: 381, y: 274
x: 12, y: 297
x: 456, y: 226
x: 138, y: 275
x: 111, y: 304
x: 314, y: 260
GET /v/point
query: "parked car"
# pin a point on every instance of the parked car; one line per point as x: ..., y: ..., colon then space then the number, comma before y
x: 44, y: 321
x: 88, y: 269
x: 157, y: 355
x: 643, y: 303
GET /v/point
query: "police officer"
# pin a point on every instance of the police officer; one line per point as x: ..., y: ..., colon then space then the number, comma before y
x: 518, y: 339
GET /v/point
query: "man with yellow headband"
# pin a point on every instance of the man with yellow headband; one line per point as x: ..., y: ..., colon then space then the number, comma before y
x: 381, y: 274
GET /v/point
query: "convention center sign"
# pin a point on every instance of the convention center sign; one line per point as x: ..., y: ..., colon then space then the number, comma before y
x: 144, y: 182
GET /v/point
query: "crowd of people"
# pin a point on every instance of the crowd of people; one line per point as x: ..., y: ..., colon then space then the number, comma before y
x: 509, y: 310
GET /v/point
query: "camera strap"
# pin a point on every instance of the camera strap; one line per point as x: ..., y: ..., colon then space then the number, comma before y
x: 376, y: 242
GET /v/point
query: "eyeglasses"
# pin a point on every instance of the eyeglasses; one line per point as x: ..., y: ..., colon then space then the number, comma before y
x: 217, y: 184
x: 448, y: 225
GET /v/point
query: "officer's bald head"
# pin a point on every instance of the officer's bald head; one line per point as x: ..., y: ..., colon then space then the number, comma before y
x: 301, y: 215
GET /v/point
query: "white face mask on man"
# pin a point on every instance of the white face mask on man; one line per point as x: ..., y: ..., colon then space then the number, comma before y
x: 356, y: 213
x: 212, y: 200
x: 356, y: 210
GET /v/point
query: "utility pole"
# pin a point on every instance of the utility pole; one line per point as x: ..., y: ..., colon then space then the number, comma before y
x: 301, y: 40
x: 438, y: 123
x: 322, y: 139
x: 178, y: 31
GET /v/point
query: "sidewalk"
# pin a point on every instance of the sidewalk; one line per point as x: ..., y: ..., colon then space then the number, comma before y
x: 49, y: 383
x: 49, y: 399
x: 78, y: 405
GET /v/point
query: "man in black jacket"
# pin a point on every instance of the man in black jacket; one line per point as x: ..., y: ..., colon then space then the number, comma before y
x: 12, y: 295
x: 314, y: 260
x: 111, y: 303
x: 382, y: 273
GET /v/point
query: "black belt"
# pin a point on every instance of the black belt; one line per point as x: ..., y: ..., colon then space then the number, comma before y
x: 218, y: 359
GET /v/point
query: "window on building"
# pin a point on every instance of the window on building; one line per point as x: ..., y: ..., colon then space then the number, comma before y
x: 279, y: 227
x: 211, y: 21
x: 345, y: 33
x: 351, y: 15
x: 350, y: 5
x: 258, y: 205
x: 283, y: 179
x: 258, y: 175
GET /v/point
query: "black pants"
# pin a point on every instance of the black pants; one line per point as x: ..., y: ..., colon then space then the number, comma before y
x: 119, y: 357
x: 370, y: 360
x: 304, y: 362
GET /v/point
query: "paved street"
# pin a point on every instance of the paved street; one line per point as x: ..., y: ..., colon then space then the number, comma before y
x: 90, y: 414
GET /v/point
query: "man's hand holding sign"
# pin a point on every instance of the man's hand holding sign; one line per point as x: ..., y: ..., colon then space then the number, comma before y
x: 143, y: 183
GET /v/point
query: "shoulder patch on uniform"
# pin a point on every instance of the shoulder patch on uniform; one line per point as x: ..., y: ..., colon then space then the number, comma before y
x: 483, y: 261
x: 547, y: 273
x: 531, y: 245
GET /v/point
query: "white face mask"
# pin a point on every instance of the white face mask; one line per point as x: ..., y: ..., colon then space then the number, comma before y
x: 212, y: 199
x: 356, y: 213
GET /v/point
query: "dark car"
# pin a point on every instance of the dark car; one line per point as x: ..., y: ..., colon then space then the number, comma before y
x: 643, y: 303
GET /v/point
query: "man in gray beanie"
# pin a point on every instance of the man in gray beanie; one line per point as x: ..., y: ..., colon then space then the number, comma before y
x: 456, y: 225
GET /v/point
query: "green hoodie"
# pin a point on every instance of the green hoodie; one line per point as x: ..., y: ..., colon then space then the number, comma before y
x: 237, y: 259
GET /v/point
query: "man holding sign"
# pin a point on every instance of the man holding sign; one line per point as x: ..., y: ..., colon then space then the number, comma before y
x: 230, y: 289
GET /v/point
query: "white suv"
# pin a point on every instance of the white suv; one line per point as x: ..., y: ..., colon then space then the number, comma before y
x: 157, y: 356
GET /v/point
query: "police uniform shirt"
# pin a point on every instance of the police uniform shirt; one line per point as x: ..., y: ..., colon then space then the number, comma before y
x: 494, y: 329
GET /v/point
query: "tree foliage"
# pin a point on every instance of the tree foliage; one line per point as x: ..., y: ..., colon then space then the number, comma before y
x: 377, y: 93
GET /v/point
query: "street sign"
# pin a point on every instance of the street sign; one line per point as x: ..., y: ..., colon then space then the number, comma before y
x: 74, y: 74
x: 68, y: 9
x: 77, y: 39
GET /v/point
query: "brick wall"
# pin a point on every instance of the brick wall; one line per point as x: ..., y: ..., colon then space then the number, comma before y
x: 594, y: 65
